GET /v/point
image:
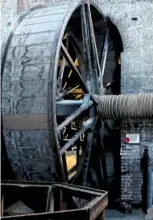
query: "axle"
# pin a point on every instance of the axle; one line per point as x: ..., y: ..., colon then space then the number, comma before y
x: 125, y: 106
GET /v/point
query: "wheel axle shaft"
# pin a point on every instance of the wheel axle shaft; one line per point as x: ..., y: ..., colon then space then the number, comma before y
x: 125, y: 106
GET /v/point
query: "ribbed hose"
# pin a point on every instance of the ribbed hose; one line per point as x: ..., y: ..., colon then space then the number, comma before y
x: 125, y: 106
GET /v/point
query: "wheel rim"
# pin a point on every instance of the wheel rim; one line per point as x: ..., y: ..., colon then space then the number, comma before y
x: 37, y: 130
x: 91, y: 83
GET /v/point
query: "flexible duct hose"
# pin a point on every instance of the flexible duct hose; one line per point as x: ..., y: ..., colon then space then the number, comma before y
x: 125, y: 106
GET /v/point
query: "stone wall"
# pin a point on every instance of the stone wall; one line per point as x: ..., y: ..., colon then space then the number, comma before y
x: 134, y: 21
x: 8, y: 16
x: 136, y: 77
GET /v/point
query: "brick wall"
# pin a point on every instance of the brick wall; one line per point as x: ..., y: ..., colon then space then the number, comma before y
x: 131, y: 155
x: 136, y: 77
x: 137, y: 72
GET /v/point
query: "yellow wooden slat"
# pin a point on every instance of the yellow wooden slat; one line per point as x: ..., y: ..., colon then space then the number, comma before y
x: 70, y: 161
x: 77, y: 91
x: 60, y: 62
x: 75, y: 64
x: 119, y: 60
x: 65, y: 37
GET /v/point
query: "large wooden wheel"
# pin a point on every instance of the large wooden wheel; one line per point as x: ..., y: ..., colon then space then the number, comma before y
x: 53, y: 64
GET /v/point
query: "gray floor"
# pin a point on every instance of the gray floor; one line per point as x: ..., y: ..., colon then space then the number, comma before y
x: 135, y: 215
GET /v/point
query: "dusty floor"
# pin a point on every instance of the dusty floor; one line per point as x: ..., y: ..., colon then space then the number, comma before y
x: 135, y: 215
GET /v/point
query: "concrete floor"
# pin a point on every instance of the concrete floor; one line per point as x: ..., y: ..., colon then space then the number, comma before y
x: 135, y: 215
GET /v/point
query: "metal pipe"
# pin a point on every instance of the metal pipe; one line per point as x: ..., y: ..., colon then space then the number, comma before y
x: 150, y: 188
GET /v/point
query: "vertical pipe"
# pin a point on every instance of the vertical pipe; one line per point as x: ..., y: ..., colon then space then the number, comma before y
x: 149, y: 187
x: 145, y: 180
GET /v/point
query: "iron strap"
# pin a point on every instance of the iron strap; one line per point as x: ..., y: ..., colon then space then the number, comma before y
x: 25, y: 122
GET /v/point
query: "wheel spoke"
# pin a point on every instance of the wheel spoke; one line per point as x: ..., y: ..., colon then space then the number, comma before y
x: 65, y: 166
x: 83, y: 167
x: 87, y: 161
x: 90, y: 136
x: 87, y: 104
x: 93, y: 43
x: 86, y: 126
x: 80, y: 56
x: 71, y: 171
x: 61, y: 73
x: 93, y: 39
x: 63, y: 64
x: 66, y: 92
x: 104, y: 55
x: 102, y: 151
x: 76, y: 46
x: 73, y: 67
x: 67, y: 107
x: 86, y: 41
